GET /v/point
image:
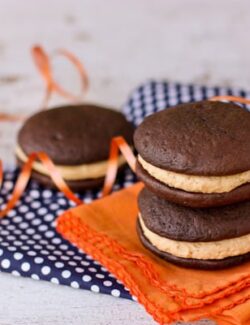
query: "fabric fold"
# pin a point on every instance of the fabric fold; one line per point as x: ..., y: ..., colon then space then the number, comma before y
x: 106, y: 229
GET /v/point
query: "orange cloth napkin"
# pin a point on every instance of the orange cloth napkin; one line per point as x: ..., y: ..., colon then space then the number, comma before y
x: 106, y: 230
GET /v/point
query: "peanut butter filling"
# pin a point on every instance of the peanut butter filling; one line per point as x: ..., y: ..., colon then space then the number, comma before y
x: 196, y: 184
x: 215, y: 250
x: 70, y: 173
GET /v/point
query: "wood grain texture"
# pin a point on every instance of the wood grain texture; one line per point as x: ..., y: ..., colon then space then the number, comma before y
x: 122, y: 43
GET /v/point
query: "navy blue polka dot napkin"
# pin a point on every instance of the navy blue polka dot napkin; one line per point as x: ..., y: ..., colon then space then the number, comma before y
x: 29, y: 244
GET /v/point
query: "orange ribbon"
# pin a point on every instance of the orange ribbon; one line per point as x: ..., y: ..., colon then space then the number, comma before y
x: 24, y: 178
x: 42, y: 61
x: 118, y: 143
x: 43, y: 64
x: 4, y: 117
x: 231, y: 99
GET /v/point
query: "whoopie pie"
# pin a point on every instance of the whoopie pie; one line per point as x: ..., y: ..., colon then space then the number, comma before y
x: 77, y: 139
x: 196, y: 154
x: 203, y: 238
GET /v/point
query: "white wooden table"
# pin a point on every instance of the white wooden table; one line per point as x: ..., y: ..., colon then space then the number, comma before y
x: 122, y: 43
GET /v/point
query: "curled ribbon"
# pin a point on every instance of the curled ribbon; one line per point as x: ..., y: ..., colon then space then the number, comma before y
x: 231, y: 99
x: 24, y: 178
x: 117, y: 143
x: 43, y: 64
x: 4, y: 117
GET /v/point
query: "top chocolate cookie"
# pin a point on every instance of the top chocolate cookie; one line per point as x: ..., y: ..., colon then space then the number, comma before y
x: 74, y: 135
x: 203, y: 138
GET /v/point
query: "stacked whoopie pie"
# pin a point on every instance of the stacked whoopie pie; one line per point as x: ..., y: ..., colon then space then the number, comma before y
x: 77, y: 139
x: 195, y: 162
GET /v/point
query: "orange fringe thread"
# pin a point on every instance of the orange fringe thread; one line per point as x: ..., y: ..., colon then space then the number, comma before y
x: 94, y: 243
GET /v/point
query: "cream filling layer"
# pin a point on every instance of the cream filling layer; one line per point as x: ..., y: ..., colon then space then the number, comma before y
x: 197, y: 184
x: 72, y: 173
x: 215, y: 250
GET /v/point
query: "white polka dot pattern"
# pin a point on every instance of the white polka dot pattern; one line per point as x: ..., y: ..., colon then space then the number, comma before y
x: 29, y: 244
x: 155, y: 96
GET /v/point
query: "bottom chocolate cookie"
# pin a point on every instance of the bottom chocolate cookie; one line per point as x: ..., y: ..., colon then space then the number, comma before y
x: 190, y: 262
